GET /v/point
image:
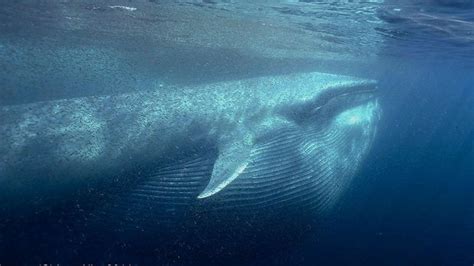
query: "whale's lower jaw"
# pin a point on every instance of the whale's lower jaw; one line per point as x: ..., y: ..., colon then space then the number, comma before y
x: 301, y: 170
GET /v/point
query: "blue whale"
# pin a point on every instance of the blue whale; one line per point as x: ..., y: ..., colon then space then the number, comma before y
x: 272, y: 142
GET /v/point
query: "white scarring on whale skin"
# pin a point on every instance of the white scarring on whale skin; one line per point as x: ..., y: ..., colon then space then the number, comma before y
x: 50, y: 148
x: 124, y: 8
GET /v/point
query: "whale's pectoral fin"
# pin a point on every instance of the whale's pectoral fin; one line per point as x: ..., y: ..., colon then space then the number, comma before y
x: 233, y: 158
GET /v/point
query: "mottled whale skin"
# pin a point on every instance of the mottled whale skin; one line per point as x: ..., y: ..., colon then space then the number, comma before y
x: 281, y: 141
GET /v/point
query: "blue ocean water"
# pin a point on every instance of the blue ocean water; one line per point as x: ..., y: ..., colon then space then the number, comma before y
x: 411, y: 203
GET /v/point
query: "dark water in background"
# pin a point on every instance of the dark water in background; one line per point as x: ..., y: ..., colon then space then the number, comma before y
x: 413, y: 201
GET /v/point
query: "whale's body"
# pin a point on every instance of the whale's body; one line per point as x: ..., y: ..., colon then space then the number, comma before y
x: 289, y: 141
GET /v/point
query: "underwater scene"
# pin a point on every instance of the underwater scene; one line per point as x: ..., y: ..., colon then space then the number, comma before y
x: 207, y: 132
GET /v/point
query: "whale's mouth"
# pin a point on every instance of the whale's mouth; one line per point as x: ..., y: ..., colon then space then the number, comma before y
x: 331, y: 102
x: 338, y: 100
x: 348, y: 97
x: 368, y: 93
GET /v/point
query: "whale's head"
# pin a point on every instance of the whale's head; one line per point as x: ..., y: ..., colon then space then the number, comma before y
x: 305, y: 152
x: 333, y: 132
